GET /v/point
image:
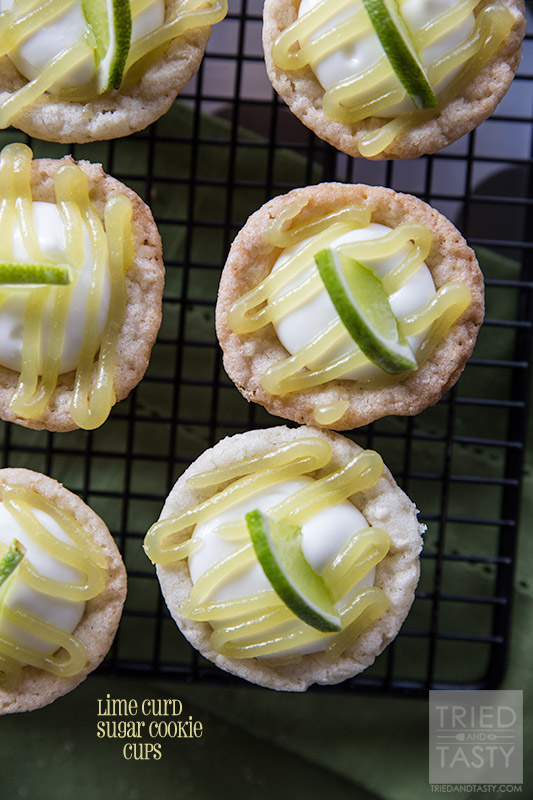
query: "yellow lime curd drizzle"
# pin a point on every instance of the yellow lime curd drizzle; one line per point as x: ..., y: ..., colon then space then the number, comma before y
x: 25, y: 18
x: 327, y: 414
x: 299, y: 372
x: 363, y: 472
x: 261, y: 624
x: 189, y: 14
x: 82, y: 554
x: 369, y: 93
x: 277, y: 630
x: 93, y: 394
x: 60, y: 65
x: 168, y: 539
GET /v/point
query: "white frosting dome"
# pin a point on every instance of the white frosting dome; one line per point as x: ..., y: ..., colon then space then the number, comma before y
x: 63, y: 614
x: 357, y: 56
x: 323, y: 537
x: 51, y: 235
x: 38, y: 49
x: 299, y: 327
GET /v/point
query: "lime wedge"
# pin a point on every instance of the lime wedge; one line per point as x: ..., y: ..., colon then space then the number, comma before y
x: 363, y: 306
x: 278, y: 546
x: 10, y: 560
x: 39, y: 274
x: 397, y: 43
x: 110, y: 21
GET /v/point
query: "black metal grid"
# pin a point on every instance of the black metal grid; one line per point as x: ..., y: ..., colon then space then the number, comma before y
x: 228, y: 145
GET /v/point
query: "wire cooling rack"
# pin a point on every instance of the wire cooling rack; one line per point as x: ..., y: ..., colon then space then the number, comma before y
x: 226, y: 147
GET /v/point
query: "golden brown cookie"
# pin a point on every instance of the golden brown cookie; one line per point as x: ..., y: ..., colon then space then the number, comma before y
x: 143, y: 283
x: 145, y: 95
x: 250, y: 356
x: 460, y: 110
x: 383, y: 505
x: 96, y: 630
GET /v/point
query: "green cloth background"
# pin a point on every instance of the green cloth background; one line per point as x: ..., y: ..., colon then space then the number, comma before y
x: 255, y: 741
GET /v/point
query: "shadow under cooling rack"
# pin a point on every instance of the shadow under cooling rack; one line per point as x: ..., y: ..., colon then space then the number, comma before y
x: 225, y: 147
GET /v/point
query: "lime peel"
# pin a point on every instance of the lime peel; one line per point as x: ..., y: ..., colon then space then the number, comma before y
x: 110, y: 22
x: 363, y: 306
x: 278, y: 546
x: 16, y: 272
x: 396, y: 41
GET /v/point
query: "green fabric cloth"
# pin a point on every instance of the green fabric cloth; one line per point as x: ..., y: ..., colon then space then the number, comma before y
x: 256, y: 741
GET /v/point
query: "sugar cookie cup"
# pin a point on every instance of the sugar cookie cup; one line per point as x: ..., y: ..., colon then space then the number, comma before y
x: 382, y: 122
x: 71, y: 593
x: 162, y: 59
x: 258, y: 469
x: 105, y: 321
x: 306, y: 378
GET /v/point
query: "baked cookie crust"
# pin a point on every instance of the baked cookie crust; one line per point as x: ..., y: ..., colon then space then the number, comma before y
x: 144, y: 290
x: 118, y: 112
x: 99, y: 623
x: 303, y: 93
x: 384, y: 505
x: 248, y: 356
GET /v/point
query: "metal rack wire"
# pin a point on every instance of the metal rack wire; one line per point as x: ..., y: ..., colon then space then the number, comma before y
x: 226, y: 147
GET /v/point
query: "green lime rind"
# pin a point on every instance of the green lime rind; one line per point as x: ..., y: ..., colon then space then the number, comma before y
x: 122, y: 35
x: 10, y: 560
x: 278, y: 546
x: 110, y: 22
x: 395, y: 38
x: 363, y: 306
x: 35, y: 274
